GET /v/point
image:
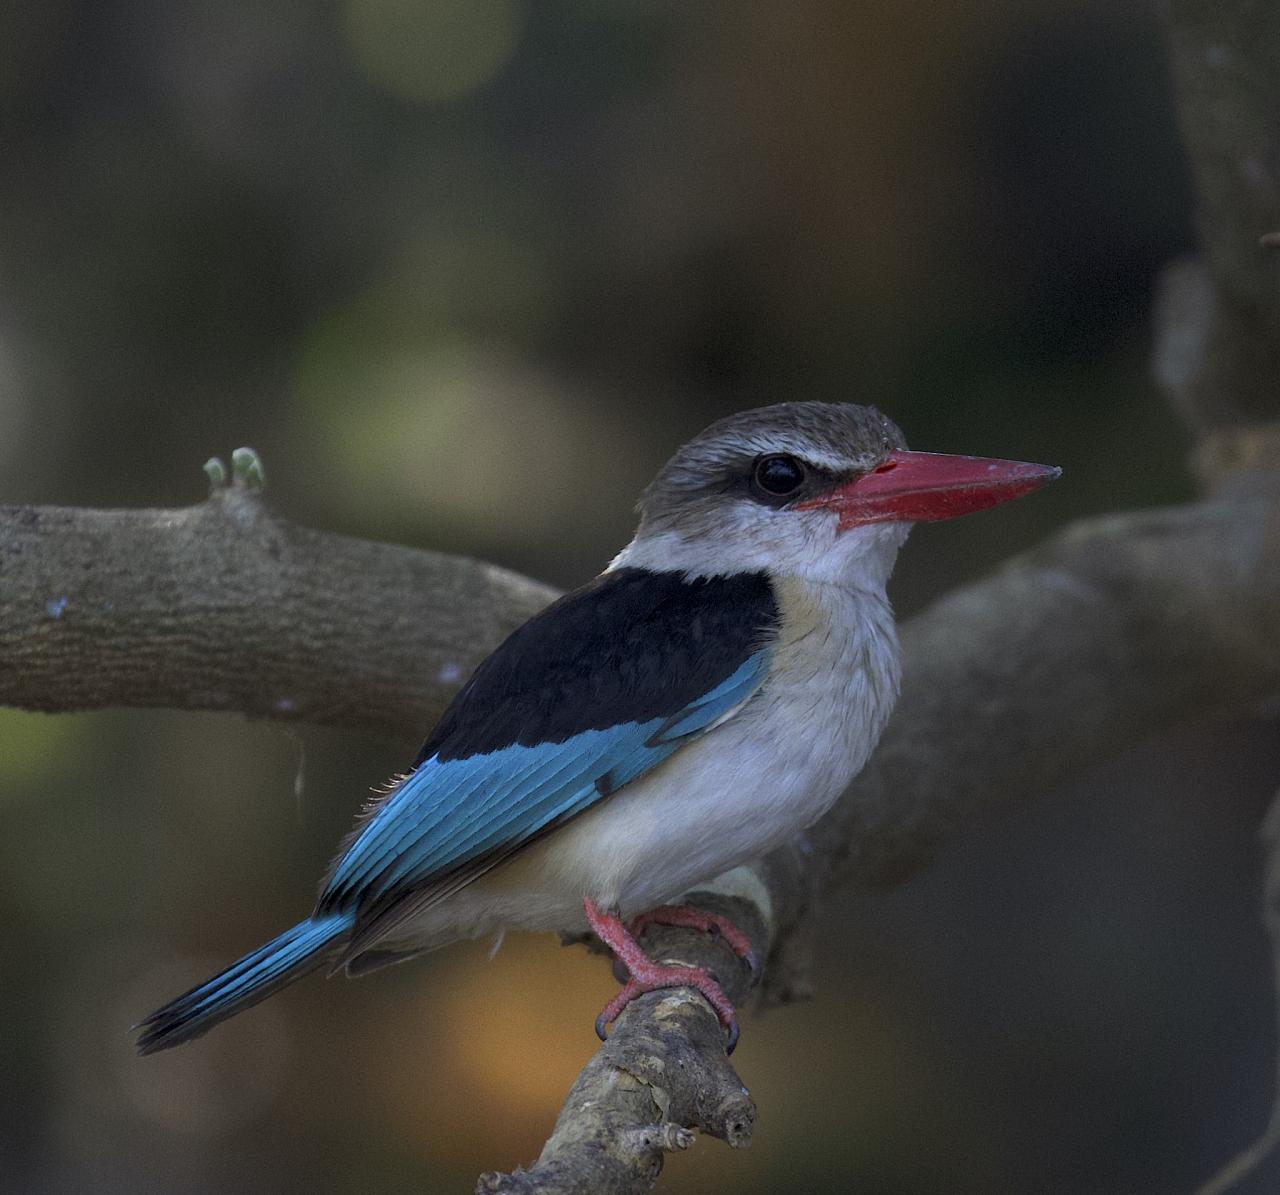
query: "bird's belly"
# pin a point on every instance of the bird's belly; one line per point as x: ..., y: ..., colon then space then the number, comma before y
x: 723, y: 803
x: 725, y: 799
x: 731, y: 796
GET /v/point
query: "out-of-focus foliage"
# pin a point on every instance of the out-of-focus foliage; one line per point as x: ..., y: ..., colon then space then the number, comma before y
x: 464, y: 272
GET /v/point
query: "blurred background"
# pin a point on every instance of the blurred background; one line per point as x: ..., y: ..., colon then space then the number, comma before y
x: 464, y: 272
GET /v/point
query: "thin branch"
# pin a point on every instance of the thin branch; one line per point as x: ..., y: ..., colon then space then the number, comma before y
x: 663, y: 1070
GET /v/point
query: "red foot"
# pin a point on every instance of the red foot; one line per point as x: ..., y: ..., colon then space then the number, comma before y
x: 648, y: 976
x: 687, y: 917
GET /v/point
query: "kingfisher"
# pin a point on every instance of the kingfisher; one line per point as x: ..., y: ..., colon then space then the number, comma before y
x: 704, y: 699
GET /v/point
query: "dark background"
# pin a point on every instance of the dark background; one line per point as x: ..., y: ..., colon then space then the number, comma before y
x: 464, y: 272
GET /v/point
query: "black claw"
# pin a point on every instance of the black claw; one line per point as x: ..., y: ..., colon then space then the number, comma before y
x: 752, y: 959
x: 601, y: 1026
x: 732, y: 1043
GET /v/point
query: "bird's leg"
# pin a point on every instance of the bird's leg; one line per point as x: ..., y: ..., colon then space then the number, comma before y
x: 648, y: 976
x: 687, y: 917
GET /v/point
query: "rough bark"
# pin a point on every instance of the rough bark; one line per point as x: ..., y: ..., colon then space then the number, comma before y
x: 227, y: 606
x: 662, y: 1072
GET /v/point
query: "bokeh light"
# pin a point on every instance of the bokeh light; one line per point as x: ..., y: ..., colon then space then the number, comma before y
x: 433, y: 51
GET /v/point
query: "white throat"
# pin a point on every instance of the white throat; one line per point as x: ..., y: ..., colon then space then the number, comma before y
x: 806, y: 547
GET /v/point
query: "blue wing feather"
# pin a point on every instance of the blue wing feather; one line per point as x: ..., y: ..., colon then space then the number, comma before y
x: 448, y: 815
x: 510, y: 810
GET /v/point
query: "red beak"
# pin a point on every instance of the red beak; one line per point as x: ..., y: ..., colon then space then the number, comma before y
x: 923, y: 487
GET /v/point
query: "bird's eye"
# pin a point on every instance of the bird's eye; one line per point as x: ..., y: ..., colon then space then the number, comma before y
x: 777, y: 476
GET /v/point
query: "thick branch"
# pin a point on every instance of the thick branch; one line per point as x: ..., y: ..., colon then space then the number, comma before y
x: 226, y: 606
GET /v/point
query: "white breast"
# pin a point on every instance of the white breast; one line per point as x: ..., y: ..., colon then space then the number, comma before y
x: 744, y: 787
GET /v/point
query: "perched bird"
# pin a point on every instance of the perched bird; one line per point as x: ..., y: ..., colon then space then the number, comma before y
x: 707, y: 696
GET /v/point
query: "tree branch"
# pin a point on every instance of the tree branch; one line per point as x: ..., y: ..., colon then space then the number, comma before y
x: 227, y: 606
x: 663, y: 1070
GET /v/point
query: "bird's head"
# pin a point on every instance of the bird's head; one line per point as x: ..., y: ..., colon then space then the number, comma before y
x: 815, y: 490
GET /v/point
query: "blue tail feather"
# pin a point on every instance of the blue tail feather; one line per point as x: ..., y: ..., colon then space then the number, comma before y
x: 254, y: 977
